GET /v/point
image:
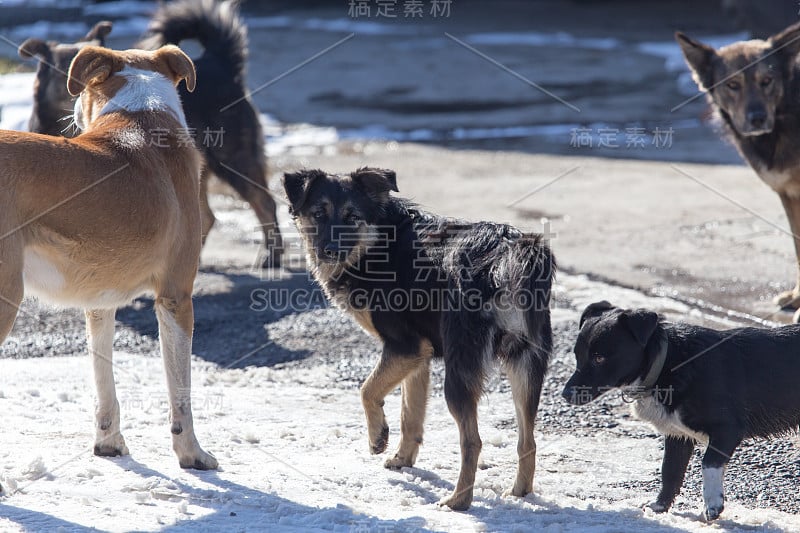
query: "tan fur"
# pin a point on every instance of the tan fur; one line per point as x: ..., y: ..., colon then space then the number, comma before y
x: 93, y: 222
x: 412, y: 415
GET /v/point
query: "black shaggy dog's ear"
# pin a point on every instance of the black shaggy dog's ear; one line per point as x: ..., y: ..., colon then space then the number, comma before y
x: 699, y: 57
x: 376, y: 182
x: 297, y: 185
x: 787, y: 42
x: 32, y: 48
x: 99, y: 32
x: 595, y: 309
x: 641, y: 322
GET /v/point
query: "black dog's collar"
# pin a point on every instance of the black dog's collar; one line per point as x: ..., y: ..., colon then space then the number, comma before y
x: 644, y: 389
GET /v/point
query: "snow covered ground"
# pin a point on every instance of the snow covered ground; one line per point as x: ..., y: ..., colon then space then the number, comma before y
x: 293, y: 454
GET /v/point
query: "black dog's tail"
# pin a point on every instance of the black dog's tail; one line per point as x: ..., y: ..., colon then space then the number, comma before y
x: 532, y: 270
x: 217, y: 25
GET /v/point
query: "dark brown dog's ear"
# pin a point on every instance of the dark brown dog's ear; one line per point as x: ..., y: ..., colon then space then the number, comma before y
x: 595, y: 309
x: 699, y: 57
x: 642, y: 323
x: 99, y: 32
x: 92, y: 65
x: 32, y: 48
x: 376, y: 182
x: 787, y: 42
x: 297, y: 185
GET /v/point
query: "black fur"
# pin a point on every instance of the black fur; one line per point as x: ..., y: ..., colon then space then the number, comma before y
x: 727, y: 385
x: 457, y: 271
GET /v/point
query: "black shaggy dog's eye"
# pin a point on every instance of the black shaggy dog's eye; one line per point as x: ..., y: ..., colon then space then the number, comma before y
x: 733, y: 85
x: 352, y: 218
x: 318, y: 214
x: 598, y: 359
x: 766, y: 81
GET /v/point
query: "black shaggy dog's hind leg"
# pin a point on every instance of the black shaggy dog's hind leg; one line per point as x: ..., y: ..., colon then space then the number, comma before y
x: 525, y: 369
x: 468, y: 343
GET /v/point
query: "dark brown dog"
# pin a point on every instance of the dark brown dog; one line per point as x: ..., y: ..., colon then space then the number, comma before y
x: 429, y: 286
x: 754, y: 88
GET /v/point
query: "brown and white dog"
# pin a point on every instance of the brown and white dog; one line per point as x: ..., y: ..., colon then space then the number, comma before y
x: 96, y: 220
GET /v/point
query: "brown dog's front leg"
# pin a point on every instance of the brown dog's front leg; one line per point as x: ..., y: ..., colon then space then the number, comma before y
x: 791, y: 299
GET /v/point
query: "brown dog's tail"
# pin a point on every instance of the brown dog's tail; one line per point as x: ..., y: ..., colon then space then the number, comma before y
x: 216, y: 25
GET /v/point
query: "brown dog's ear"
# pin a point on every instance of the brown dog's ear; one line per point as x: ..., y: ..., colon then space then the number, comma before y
x: 32, y: 48
x: 787, y: 42
x: 91, y: 66
x: 179, y: 64
x: 376, y: 182
x: 642, y: 323
x: 699, y: 57
x: 297, y: 185
x: 595, y: 309
x: 99, y: 32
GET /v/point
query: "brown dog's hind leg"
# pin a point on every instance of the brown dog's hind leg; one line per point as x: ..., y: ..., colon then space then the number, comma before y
x: 791, y: 299
x: 100, y: 338
x: 412, y: 414
x: 175, y: 324
x: 387, y: 374
x: 11, y: 284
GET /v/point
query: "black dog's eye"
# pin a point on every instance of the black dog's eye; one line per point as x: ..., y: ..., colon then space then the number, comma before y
x: 598, y: 359
x: 766, y: 81
x: 733, y: 85
x: 352, y: 218
x: 318, y: 214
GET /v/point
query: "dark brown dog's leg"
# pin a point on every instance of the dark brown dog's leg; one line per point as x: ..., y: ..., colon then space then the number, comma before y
x: 412, y: 414
x: 249, y: 181
x: 387, y: 374
x: 526, y: 386
x: 791, y: 299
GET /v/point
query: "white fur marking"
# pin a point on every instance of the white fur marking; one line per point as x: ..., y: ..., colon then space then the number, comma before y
x: 40, y: 275
x: 652, y: 411
x: 145, y: 90
x: 713, y: 492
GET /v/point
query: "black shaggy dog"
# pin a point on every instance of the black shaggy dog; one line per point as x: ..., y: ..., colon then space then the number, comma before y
x: 429, y: 286
x: 222, y: 119
x: 754, y: 88
x: 693, y: 384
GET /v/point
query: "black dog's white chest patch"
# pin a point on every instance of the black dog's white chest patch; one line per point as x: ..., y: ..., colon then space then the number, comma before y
x: 667, y: 423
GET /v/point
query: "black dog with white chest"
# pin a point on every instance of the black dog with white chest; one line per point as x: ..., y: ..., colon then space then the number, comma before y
x: 429, y: 286
x: 693, y: 384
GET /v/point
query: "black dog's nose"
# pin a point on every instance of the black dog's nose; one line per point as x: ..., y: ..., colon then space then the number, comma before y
x: 331, y: 250
x: 757, y: 118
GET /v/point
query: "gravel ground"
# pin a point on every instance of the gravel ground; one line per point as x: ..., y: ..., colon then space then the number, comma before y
x: 231, y: 332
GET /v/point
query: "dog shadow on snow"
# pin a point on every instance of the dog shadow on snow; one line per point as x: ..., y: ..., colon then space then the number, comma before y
x: 234, y: 318
x: 233, y: 507
x: 510, y: 514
